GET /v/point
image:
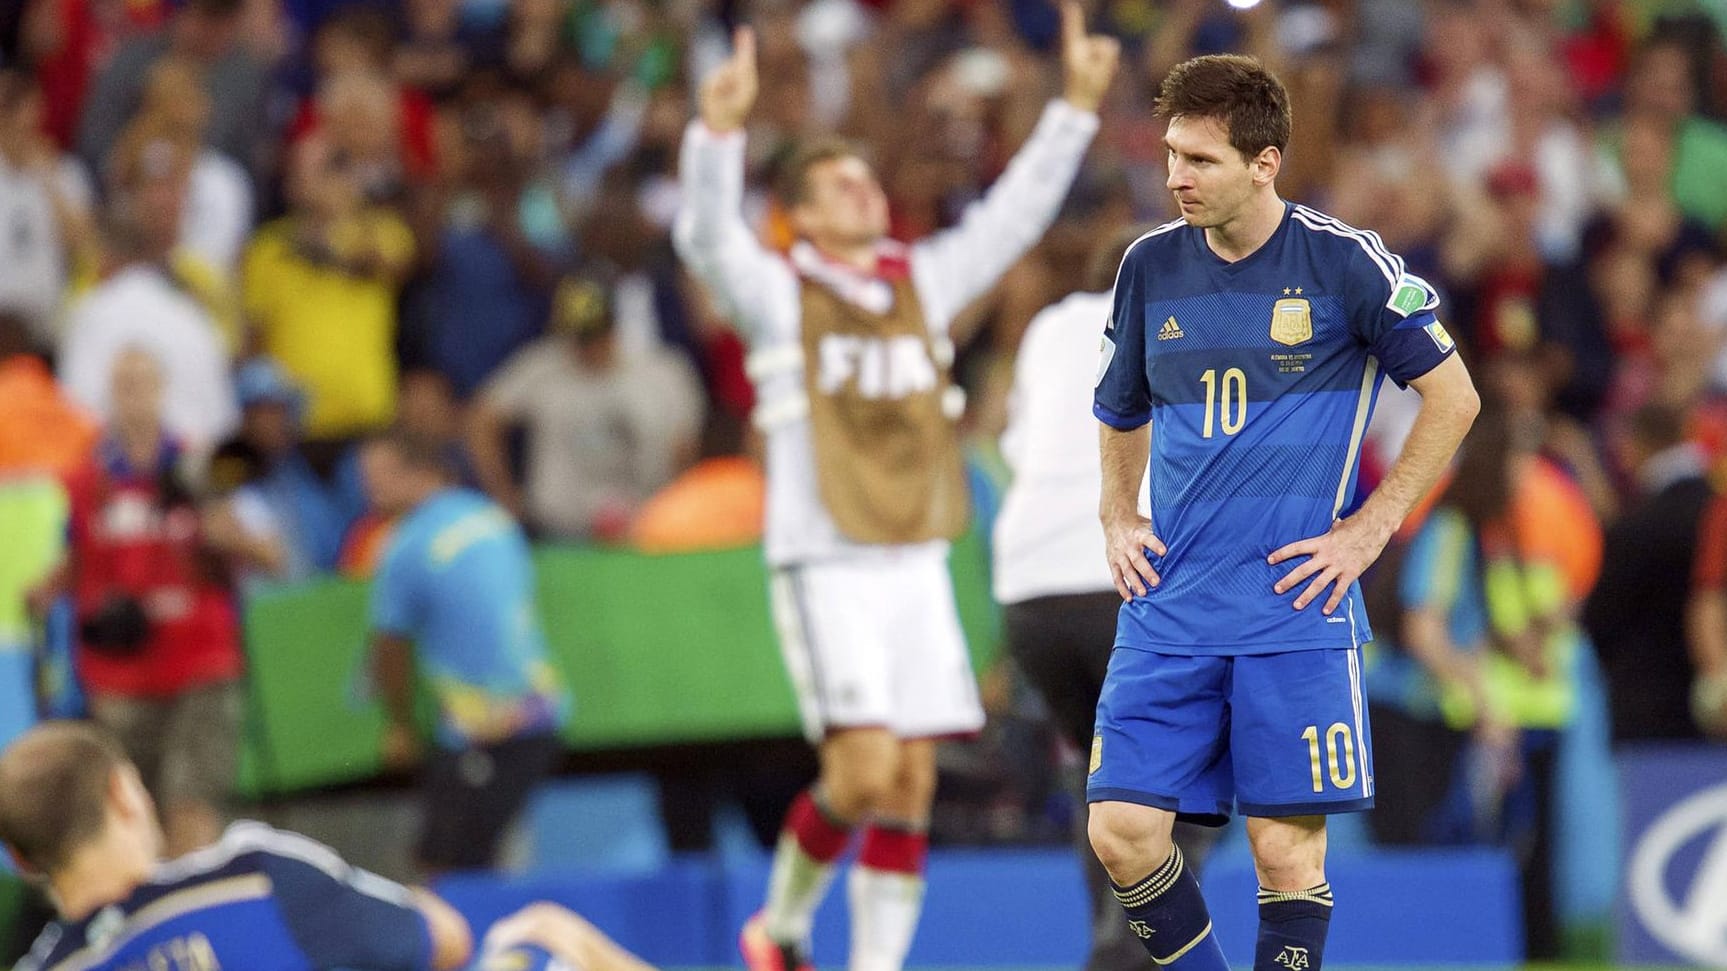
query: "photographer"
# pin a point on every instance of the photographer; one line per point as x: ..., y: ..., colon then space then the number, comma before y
x: 158, y: 640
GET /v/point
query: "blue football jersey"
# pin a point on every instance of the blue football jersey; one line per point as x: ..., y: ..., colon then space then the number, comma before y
x: 258, y: 900
x: 1258, y: 378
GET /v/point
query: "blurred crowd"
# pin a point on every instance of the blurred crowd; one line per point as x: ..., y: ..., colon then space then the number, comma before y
x: 290, y: 224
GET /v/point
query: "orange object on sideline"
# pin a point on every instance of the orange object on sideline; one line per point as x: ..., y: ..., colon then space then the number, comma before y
x: 40, y: 429
x: 715, y: 505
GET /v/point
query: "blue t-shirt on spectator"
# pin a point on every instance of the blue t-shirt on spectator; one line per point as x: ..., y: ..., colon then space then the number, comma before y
x: 458, y: 579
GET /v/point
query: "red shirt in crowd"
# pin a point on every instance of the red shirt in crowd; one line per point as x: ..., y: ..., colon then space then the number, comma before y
x: 123, y: 542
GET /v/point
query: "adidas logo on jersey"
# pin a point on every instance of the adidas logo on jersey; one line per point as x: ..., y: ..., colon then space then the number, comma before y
x: 1171, y: 330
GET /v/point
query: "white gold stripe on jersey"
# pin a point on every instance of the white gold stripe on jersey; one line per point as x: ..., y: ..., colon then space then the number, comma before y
x: 1361, y: 761
x: 1390, y: 264
x: 251, y: 886
x: 1363, y: 404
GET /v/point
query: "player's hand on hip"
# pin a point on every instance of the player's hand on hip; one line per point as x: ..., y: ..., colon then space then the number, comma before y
x: 1127, y: 542
x: 1087, y: 60
x: 729, y: 91
x: 1335, y: 560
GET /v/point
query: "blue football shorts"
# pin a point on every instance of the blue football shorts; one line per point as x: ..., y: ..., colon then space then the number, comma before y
x: 1268, y: 734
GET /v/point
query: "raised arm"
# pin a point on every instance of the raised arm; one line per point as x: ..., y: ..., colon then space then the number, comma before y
x: 710, y: 233
x: 954, y: 266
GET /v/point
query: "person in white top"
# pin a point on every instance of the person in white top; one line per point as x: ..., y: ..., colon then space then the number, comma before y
x: 138, y: 305
x: 865, y: 485
x: 44, y: 210
x: 1051, y: 575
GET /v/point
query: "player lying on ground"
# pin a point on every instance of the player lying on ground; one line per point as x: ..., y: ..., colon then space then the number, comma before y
x: 74, y: 814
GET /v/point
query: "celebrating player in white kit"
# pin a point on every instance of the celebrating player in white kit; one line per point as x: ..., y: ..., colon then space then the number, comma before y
x: 850, y: 357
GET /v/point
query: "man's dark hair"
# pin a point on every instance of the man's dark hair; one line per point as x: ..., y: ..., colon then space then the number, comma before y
x: 1237, y: 91
x: 792, y: 174
x: 415, y: 450
x: 54, y: 790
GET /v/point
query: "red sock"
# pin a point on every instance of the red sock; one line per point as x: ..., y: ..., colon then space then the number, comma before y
x: 819, y: 836
x: 894, y: 849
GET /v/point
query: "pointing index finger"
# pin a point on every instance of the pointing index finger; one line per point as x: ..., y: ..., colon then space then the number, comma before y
x: 1072, y: 22
x: 744, y: 46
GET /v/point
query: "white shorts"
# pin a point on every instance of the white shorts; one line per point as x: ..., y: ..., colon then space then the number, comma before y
x: 876, y: 643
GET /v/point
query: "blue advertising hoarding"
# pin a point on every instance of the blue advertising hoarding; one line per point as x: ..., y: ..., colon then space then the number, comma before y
x: 1674, y: 908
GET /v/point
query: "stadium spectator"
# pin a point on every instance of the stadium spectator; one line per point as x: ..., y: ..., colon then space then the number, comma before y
x: 453, y: 602
x: 296, y: 503
x: 70, y: 42
x: 320, y: 287
x: 605, y: 429
x: 1661, y: 91
x: 217, y: 216
x: 433, y: 55
x: 385, y: 127
x: 141, y: 301
x: 492, y: 240
x: 149, y: 569
x: 206, y: 32
x: 1426, y: 676
x: 45, y: 205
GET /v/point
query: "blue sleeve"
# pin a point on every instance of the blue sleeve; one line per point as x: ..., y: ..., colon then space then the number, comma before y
x: 1123, y: 397
x: 392, y: 606
x: 342, y: 916
x: 1393, y: 314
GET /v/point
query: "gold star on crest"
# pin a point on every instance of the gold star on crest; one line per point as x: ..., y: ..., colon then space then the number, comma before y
x: 1298, y: 291
x: 1286, y: 291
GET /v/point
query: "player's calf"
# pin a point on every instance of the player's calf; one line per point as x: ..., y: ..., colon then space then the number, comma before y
x: 1294, y: 899
x: 1165, y: 909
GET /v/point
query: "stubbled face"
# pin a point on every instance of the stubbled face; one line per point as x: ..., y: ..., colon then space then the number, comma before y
x: 845, y: 206
x: 386, y: 479
x: 1211, y: 181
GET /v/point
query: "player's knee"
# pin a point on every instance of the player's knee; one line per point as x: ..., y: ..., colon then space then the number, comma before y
x: 1129, y: 840
x: 858, y: 786
x: 1289, y: 855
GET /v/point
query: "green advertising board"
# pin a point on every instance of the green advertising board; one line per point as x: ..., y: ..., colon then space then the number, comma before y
x: 657, y: 650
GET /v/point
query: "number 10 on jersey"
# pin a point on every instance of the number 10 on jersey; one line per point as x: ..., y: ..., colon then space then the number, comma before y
x: 1339, y: 755
x: 1231, y: 411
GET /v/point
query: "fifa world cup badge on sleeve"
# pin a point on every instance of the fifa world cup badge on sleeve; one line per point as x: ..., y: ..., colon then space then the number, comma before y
x: 1105, y: 354
x: 1096, y: 754
x: 1441, y: 337
x: 1292, y: 321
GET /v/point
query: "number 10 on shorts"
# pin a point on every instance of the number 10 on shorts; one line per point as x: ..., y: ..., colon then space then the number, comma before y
x: 1342, y: 765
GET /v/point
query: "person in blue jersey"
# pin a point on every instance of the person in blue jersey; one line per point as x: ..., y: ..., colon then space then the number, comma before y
x: 454, y: 598
x: 1251, y: 335
x: 74, y: 813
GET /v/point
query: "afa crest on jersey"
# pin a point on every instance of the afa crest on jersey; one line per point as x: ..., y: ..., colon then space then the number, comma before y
x: 1292, y: 321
